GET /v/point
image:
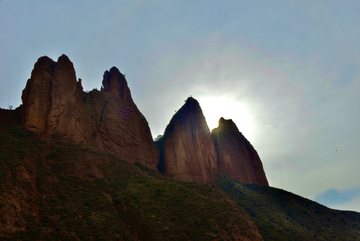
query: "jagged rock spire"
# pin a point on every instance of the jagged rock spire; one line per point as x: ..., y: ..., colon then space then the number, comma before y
x: 187, y: 151
x: 236, y: 156
x: 54, y: 103
x: 114, y: 82
x: 49, y: 100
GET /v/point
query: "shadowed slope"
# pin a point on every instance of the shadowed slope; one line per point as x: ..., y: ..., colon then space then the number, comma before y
x: 53, y: 189
x: 281, y: 215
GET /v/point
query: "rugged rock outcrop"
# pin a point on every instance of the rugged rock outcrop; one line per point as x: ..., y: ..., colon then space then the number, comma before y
x: 54, y: 104
x: 121, y: 128
x: 50, y: 99
x: 187, y: 151
x: 236, y: 156
x: 36, y: 96
x: 115, y: 83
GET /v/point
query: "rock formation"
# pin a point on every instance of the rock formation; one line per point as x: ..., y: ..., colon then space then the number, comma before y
x: 121, y: 128
x: 36, y: 96
x: 115, y: 83
x: 236, y: 156
x: 187, y: 151
x: 54, y: 104
x: 50, y: 99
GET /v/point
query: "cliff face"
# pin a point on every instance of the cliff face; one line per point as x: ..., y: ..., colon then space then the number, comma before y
x: 115, y: 83
x: 54, y: 103
x: 236, y: 156
x: 50, y: 100
x: 121, y: 128
x: 187, y: 151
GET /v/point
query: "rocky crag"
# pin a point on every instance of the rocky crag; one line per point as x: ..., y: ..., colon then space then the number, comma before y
x: 189, y: 152
x: 236, y: 156
x: 55, y: 104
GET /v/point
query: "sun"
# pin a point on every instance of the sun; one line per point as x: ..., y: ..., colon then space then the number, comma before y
x: 223, y: 106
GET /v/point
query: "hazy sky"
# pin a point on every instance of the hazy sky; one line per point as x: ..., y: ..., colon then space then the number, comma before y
x: 286, y: 72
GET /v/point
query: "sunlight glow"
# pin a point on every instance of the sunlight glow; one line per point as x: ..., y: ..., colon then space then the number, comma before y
x: 222, y: 106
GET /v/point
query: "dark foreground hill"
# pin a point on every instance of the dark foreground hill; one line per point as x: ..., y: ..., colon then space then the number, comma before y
x: 281, y: 215
x: 52, y: 189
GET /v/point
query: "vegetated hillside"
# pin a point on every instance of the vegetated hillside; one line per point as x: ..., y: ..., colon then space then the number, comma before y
x: 52, y: 189
x: 281, y: 215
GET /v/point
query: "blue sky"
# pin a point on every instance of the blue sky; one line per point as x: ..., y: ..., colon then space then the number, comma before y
x: 286, y: 72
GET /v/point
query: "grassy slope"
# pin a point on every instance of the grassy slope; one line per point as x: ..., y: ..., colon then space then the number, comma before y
x: 281, y: 215
x: 55, y: 190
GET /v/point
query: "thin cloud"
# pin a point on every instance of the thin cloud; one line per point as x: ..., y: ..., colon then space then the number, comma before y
x: 332, y: 197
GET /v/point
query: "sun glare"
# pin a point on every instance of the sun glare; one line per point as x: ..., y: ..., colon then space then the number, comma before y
x: 215, y: 107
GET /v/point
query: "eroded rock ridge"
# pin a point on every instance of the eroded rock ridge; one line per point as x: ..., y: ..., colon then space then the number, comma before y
x: 55, y: 104
x: 236, y: 156
x: 189, y: 152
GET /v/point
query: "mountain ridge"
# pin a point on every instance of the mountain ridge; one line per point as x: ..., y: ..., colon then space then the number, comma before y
x: 188, y: 144
x: 54, y: 103
x: 66, y: 172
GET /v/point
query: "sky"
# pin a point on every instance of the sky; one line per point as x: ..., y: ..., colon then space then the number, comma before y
x: 286, y: 72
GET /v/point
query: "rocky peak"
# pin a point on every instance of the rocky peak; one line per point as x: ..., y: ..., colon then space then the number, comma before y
x: 47, y: 96
x: 115, y: 83
x: 227, y: 125
x: 236, y: 156
x: 191, y: 106
x: 54, y: 103
x: 120, y: 127
x: 187, y: 151
x: 190, y: 114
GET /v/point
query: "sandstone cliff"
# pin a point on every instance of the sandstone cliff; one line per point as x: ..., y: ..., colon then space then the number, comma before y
x: 187, y: 150
x: 121, y: 128
x: 236, y: 156
x: 54, y: 104
x: 50, y: 100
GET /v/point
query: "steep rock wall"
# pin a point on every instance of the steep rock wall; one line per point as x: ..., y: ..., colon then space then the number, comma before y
x: 50, y: 99
x: 121, y: 127
x: 236, y: 156
x: 187, y: 151
x: 54, y: 103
